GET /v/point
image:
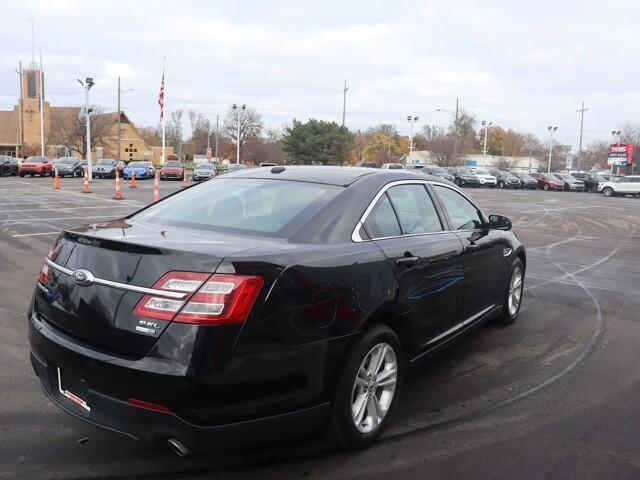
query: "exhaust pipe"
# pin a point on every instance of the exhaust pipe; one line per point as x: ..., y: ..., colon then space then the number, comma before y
x: 178, y: 447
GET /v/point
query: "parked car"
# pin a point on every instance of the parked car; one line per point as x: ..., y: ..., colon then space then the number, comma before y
x: 172, y: 169
x: 36, y: 166
x: 8, y: 165
x: 438, y: 172
x: 464, y: 177
x: 392, y: 166
x: 526, y: 180
x: 142, y: 170
x: 571, y: 184
x: 367, y: 164
x: 629, y: 185
x: 506, y: 179
x: 245, y: 305
x: 107, y: 168
x: 68, y: 166
x: 590, y: 180
x: 234, y: 167
x: 548, y: 181
x: 486, y: 179
x: 204, y: 171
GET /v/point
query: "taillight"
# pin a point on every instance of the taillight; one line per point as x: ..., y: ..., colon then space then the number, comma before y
x: 209, y: 299
x: 45, y: 271
x: 223, y: 299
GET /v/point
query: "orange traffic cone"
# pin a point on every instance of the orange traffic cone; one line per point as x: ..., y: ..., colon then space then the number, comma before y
x: 156, y: 189
x: 133, y: 179
x: 185, y: 180
x: 56, y: 181
x: 86, y: 183
x: 118, y: 191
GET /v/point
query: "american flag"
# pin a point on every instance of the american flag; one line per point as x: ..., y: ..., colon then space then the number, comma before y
x: 161, y: 97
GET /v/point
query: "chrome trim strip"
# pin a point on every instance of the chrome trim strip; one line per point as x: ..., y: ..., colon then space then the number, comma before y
x: 460, y: 325
x: 121, y: 286
x: 355, y: 236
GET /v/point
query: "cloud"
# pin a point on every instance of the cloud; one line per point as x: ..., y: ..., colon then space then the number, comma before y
x: 524, y: 65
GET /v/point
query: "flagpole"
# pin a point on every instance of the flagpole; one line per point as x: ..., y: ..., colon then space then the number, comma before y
x: 41, y: 107
x: 164, y: 61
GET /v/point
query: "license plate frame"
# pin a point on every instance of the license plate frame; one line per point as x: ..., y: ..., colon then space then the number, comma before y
x: 82, y: 403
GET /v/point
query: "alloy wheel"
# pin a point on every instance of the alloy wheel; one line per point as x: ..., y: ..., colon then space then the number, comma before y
x: 374, y: 387
x: 515, y: 290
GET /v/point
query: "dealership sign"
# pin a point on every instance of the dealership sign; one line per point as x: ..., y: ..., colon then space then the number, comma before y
x: 620, y: 154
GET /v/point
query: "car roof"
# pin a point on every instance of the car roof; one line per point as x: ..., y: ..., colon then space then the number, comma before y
x: 330, y: 175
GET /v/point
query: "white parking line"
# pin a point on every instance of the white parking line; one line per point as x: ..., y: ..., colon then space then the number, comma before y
x: 84, y: 195
x: 35, y: 234
x: 29, y: 220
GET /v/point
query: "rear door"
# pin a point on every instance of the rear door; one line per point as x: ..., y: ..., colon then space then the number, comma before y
x: 426, y: 259
x: 484, y: 250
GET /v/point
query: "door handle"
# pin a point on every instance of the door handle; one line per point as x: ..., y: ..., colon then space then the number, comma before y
x: 407, y: 261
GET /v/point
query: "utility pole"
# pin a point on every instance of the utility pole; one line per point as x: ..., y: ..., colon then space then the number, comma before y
x: 217, y: 130
x: 412, y: 121
x: 551, y: 130
x: 455, y: 138
x: 238, y: 110
x: 344, y: 101
x: 581, y: 111
x: 119, y: 115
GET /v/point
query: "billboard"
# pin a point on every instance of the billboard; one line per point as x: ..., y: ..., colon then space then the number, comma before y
x: 620, y: 154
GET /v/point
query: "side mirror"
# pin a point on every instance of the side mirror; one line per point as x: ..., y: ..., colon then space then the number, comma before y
x: 499, y: 222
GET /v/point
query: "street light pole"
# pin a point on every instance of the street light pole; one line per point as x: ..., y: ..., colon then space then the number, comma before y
x: 412, y: 120
x: 217, y: 125
x: 484, y: 148
x: 455, y: 137
x: 87, y: 84
x: 551, y: 130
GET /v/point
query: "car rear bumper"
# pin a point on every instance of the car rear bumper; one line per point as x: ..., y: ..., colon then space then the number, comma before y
x: 106, y: 384
x: 155, y: 427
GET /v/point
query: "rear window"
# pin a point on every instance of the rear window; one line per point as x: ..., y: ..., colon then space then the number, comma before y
x: 249, y: 206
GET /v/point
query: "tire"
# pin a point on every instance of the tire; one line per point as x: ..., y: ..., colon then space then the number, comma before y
x: 513, y: 294
x: 342, y: 424
x: 608, y: 192
x: 545, y: 187
x: 21, y: 174
x: 501, y: 185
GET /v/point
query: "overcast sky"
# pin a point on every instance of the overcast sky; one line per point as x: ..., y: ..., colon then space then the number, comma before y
x: 523, y: 65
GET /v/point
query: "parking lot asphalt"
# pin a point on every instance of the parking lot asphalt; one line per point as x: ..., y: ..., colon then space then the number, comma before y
x: 553, y: 396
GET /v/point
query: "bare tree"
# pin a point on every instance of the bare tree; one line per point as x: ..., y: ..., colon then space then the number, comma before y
x: 70, y: 130
x: 250, y: 125
x: 174, y: 131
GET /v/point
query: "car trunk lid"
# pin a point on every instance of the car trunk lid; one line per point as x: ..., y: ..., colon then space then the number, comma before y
x: 102, y: 316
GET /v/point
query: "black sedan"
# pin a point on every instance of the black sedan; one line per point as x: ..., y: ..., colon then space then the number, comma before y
x: 8, y: 165
x: 69, y: 167
x: 590, y: 180
x: 267, y: 303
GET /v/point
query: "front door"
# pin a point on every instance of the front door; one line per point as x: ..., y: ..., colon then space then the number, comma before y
x: 484, y: 253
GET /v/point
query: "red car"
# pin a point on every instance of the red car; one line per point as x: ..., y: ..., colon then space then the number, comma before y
x: 547, y: 181
x: 172, y: 169
x: 36, y: 166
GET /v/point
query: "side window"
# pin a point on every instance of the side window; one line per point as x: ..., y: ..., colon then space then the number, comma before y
x: 464, y: 215
x: 382, y: 221
x: 414, y: 208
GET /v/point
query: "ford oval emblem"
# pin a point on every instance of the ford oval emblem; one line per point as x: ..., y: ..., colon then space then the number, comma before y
x: 83, y: 278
